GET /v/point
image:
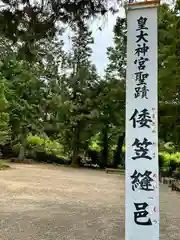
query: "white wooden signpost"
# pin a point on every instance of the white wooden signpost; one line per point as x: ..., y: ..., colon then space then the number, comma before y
x: 142, y: 174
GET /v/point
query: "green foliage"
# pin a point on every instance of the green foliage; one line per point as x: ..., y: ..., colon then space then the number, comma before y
x: 54, y: 102
x: 39, y: 144
x: 26, y: 23
x: 77, y: 94
x: 169, y: 161
x: 169, y: 147
x: 5, y: 131
x: 95, y: 143
x: 16, y: 148
x: 117, y: 54
x: 168, y: 54
x: 164, y: 159
x: 169, y: 62
x: 51, y: 92
x: 3, y: 164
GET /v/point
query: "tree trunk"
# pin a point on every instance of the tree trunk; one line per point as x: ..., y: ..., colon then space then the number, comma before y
x: 75, y: 155
x: 21, y: 155
x: 118, y: 152
x: 104, y: 153
x: 75, y: 158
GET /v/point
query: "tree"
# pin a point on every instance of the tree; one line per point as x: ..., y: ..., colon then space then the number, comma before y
x: 109, y: 98
x: 79, y: 85
x: 117, y: 157
x: 112, y: 94
x: 117, y: 55
x: 68, y: 107
x: 24, y: 94
x: 168, y: 52
x: 26, y: 22
x: 5, y: 131
x: 169, y: 72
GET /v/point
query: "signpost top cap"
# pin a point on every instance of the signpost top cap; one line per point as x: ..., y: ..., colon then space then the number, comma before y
x: 145, y: 3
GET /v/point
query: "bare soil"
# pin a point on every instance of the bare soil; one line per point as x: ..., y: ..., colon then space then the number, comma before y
x: 45, y: 202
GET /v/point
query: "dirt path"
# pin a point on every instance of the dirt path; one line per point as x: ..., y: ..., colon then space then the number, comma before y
x: 41, y: 202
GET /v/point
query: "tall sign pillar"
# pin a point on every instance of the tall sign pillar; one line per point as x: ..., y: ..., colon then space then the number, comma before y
x: 142, y: 173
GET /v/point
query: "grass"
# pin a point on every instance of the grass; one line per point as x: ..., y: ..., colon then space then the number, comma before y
x: 4, y: 164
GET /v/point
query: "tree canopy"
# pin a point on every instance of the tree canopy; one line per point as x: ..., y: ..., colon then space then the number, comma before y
x: 53, y: 102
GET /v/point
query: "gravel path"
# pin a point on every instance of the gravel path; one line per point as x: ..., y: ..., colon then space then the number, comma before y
x: 44, y: 202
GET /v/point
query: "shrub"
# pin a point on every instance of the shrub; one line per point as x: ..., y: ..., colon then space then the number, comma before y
x: 44, y: 149
x: 36, y: 140
x: 46, y: 145
x: 92, y: 157
x: 95, y: 145
x: 164, y: 159
x: 16, y: 148
x: 3, y: 164
x: 169, y: 161
x: 169, y: 147
x: 5, y: 132
x: 161, y: 160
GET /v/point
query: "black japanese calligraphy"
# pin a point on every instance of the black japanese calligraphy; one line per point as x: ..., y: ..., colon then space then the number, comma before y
x: 142, y: 23
x: 141, y: 49
x: 141, y: 92
x: 141, y: 214
x: 143, y: 118
x: 141, y: 37
x: 142, y: 181
x: 134, y: 118
x: 141, y: 77
x: 141, y: 63
x: 141, y: 149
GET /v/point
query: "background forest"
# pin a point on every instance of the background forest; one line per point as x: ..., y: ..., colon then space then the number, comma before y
x: 54, y: 107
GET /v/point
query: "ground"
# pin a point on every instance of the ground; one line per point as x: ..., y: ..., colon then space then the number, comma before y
x: 44, y: 202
